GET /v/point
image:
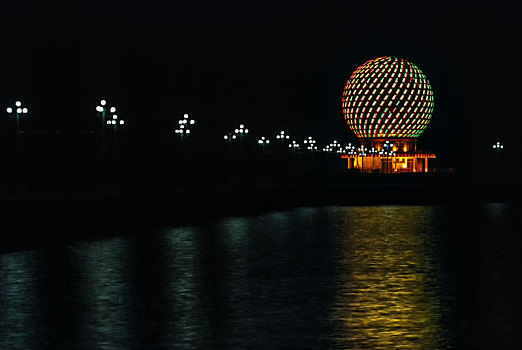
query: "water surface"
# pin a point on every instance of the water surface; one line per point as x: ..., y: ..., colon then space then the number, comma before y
x: 382, y: 277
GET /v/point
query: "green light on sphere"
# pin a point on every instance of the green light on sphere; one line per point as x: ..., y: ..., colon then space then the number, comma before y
x: 387, y: 97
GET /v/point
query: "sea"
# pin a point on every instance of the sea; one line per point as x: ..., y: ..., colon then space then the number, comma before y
x: 327, y: 277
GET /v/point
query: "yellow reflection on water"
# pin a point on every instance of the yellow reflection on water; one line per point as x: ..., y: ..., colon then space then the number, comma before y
x: 386, y: 297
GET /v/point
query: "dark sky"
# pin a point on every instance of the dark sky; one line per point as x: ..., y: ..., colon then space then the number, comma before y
x: 270, y: 64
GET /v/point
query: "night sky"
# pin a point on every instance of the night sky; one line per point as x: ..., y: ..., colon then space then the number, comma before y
x: 269, y: 64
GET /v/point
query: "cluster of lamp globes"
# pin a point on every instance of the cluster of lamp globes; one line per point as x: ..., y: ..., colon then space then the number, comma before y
x: 103, y: 112
x: 239, y: 131
x: 310, y: 144
x: 184, y: 125
x: 498, y: 146
x: 263, y: 141
x: 18, y: 110
x: 294, y: 145
x: 282, y: 136
x: 333, y: 147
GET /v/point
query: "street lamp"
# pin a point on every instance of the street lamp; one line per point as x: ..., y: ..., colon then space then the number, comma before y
x: 263, y: 141
x: 104, y: 112
x: 498, y: 146
x: 310, y: 144
x: 294, y: 145
x: 282, y: 136
x: 184, y: 128
x: 116, y: 124
x: 241, y: 132
x: 17, y: 112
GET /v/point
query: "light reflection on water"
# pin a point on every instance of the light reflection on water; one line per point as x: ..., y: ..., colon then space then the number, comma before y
x: 386, y: 287
x: 328, y: 277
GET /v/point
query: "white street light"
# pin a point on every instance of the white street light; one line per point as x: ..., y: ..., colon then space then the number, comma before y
x: 498, y: 145
x: 19, y: 111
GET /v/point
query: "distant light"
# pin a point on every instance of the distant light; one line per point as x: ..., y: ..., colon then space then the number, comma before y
x: 184, y: 121
x: 115, y: 117
x: 9, y: 110
x: 18, y: 110
x: 267, y: 141
x: 287, y: 136
x: 259, y: 141
x: 24, y: 110
x: 113, y: 109
x: 114, y: 122
x: 122, y: 122
x: 246, y: 131
x: 192, y: 121
x: 226, y: 137
x: 182, y: 126
x: 103, y: 102
x: 185, y: 115
x: 99, y: 109
x: 233, y: 136
x: 18, y: 103
x: 180, y: 122
x: 108, y: 122
x: 241, y: 126
x: 236, y: 131
x: 188, y: 131
x: 176, y: 131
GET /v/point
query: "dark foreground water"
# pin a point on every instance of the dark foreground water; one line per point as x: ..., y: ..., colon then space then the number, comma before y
x: 385, y: 277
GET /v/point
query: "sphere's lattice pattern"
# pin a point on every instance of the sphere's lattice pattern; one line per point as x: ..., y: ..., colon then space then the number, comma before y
x: 387, y: 97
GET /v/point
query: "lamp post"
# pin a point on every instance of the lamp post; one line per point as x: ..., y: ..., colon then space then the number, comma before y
x: 310, y: 144
x: 263, y: 141
x: 116, y: 124
x: 184, y: 128
x: 388, y: 150
x: 241, y: 132
x: 228, y: 139
x: 293, y: 145
x: 17, y: 112
x: 105, y: 113
x: 282, y: 136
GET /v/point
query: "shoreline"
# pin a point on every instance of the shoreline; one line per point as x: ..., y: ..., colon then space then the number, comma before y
x: 32, y: 221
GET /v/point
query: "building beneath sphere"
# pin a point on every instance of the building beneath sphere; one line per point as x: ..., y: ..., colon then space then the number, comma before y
x: 388, y: 103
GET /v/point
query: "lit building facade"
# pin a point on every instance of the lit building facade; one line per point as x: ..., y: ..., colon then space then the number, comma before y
x: 388, y: 103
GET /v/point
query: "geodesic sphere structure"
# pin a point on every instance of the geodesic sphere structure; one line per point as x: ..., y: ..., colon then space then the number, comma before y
x: 387, y: 97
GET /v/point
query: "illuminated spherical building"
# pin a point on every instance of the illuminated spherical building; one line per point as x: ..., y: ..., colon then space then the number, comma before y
x: 388, y: 103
